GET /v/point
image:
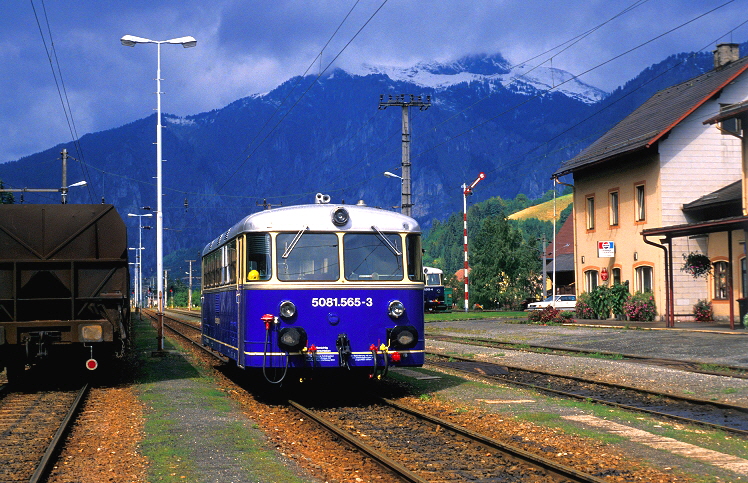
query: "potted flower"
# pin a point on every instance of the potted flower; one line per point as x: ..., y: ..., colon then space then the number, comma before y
x: 697, y: 264
x: 702, y: 311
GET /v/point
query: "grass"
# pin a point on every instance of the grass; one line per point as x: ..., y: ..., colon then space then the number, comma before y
x: 171, y: 387
x: 458, y: 315
x: 719, y: 368
x: 543, y: 211
x: 598, y: 355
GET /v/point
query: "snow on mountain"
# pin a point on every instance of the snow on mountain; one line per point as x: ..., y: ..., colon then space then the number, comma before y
x: 490, y: 69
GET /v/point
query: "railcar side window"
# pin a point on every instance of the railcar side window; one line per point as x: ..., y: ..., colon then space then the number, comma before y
x: 229, y: 263
x: 258, y: 257
x: 367, y: 256
x: 415, y: 258
x: 314, y: 257
x: 212, y: 269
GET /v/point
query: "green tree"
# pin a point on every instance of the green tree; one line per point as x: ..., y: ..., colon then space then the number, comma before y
x: 504, y: 265
x: 5, y: 197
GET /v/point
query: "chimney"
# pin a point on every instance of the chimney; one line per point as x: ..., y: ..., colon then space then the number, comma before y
x: 725, y: 54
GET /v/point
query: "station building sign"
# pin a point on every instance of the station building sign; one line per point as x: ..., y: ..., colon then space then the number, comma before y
x: 606, y: 249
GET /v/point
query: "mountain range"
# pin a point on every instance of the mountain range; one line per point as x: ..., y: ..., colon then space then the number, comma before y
x: 325, y: 133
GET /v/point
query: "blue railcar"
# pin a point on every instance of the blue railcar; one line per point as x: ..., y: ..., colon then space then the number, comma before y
x: 311, y: 288
x: 433, y: 294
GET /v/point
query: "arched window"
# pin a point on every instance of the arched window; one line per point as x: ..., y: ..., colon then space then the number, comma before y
x: 590, y: 280
x: 643, y: 279
x: 616, y: 276
x: 720, y: 280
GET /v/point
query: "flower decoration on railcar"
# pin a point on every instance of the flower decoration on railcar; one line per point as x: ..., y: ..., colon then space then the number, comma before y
x: 696, y: 264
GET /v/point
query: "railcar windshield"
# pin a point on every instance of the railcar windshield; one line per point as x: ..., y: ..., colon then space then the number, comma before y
x: 258, y: 257
x: 314, y: 257
x: 433, y: 279
x: 373, y: 256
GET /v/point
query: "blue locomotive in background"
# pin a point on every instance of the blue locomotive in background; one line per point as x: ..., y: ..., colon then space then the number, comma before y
x: 311, y: 288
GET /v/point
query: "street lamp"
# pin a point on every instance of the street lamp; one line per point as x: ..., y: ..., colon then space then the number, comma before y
x: 402, y: 180
x: 63, y: 190
x: 130, y: 41
x: 139, y: 261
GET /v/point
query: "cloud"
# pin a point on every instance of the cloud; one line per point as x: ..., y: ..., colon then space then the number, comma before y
x: 250, y: 47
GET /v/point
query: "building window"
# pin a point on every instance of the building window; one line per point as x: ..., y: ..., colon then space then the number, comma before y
x: 720, y: 280
x: 616, y: 276
x: 641, y: 208
x: 613, y: 208
x: 590, y: 212
x: 732, y: 125
x: 590, y: 280
x: 744, y: 277
x: 644, y: 279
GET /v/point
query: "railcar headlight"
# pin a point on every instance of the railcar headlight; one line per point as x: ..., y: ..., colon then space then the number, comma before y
x: 92, y: 333
x: 340, y: 217
x: 287, y: 309
x: 396, y: 309
x: 292, y: 339
x: 402, y: 337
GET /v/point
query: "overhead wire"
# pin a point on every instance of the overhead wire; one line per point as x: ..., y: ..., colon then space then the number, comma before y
x: 571, y: 42
x: 451, y: 138
x: 312, y: 84
x: 309, y: 87
x: 575, y: 77
x: 624, y: 96
x: 544, y: 92
x: 61, y: 89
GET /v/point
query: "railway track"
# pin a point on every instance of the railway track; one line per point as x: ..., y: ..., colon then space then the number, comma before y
x: 725, y: 417
x: 33, y: 426
x: 193, y: 337
x: 420, y: 448
x: 448, y: 443
x: 689, y: 366
x: 189, y: 313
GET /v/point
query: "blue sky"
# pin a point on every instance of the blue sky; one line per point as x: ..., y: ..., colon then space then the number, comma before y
x: 248, y: 47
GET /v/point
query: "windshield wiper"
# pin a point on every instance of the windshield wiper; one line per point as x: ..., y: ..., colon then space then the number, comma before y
x: 294, y: 242
x: 387, y: 242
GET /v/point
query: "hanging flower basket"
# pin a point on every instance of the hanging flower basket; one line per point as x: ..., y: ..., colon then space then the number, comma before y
x: 697, y: 264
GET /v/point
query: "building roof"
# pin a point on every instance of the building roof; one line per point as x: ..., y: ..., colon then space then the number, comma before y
x: 654, y: 119
x: 564, y: 240
x: 564, y: 263
x: 729, y: 194
x: 699, y: 228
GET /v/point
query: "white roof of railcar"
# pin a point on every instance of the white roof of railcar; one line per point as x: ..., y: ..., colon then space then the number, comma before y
x: 428, y: 270
x: 318, y: 217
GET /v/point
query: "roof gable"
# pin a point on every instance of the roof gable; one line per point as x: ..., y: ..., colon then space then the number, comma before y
x: 651, y: 121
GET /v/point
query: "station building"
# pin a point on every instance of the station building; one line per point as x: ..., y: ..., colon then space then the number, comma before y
x: 668, y: 181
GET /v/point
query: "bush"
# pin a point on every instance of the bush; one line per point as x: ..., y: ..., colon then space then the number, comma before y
x: 549, y: 316
x: 702, y: 311
x: 567, y: 316
x: 640, y: 307
x: 584, y: 309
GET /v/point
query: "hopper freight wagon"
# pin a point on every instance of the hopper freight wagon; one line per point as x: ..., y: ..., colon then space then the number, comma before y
x: 64, y: 285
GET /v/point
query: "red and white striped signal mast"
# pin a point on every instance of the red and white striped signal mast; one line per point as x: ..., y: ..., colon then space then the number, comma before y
x: 467, y: 190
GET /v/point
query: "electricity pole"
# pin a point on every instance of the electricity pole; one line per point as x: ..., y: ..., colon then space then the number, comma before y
x: 415, y: 101
x: 189, y: 294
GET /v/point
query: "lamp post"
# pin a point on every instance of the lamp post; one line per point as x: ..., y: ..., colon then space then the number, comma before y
x: 139, y: 261
x: 130, y: 41
x: 63, y: 190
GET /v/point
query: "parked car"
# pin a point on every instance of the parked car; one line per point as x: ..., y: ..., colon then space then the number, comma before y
x: 561, y: 302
